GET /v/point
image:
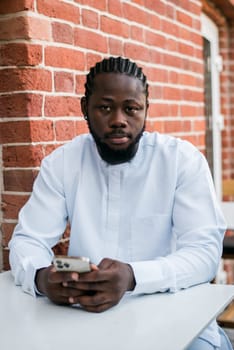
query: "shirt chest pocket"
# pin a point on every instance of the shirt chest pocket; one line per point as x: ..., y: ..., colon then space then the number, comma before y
x: 151, y: 237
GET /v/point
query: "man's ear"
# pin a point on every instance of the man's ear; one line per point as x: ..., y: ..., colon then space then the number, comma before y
x: 83, y: 104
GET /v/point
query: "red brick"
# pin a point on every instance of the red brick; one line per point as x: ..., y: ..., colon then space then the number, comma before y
x: 171, y: 93
x: 14, y: 28
x: 19, y: 180
x: 156, y: 56
x: 158, y: 110
x: 11, y: 204
x: 171, y: 44
x: 139, y: 2
x: 154, y: 39
x: 65, y: 130
x: 51, y: 148
x: 7, y: 230
x: 174, y: 109
x: 62, y: 33
x: 155, y: 92
x: 195, y: 8
x: 191, y: 66
x: 136, y: 52
x: 199, y: 125
x: 100, y: 4
x: 13, y: 6
x: 20, y: 105
x: 81, y: 127
x: 13, y: 132
x: 22, y: 156
x: 64, y: 58
x: 187, y: 79
x: 59, y: 9
x: 91, y: 59
x: 137, y: 33
x: 59, y: 106
x: 173, y: 61
x: 156, y: 74
x: 41, y: 130
x: 80, y: 81
x: 90, y: 18
x: 186, y: 49
x: 187, y: 110
x: 115, y: 8
x: 25, y: 79
x: 191, y: 95
x: 154, y: 125
x: 90, y: 40
x: 115, y: 47
x: 135, y: 14
x: 156, y: 5
x: 6, y: 265
x: 114, y: 27
x: 20, y: 55
x: 170, y: 28
x: 184, y: 18
x: 39, y: 28
x: 25, y: 131
x: 155, y: 21
x: 173, y: 77
x: 174, y: 126
x: 64, y: 82
x: 170, y: 11
x: 164, y: 110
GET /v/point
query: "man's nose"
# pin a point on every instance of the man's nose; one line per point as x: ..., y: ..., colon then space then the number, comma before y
x: 117, y: 119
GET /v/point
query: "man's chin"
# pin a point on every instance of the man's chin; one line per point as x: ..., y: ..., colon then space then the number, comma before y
x: 117, y: 154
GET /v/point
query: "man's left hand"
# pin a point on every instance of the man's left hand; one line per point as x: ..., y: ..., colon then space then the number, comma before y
x: 103, y: 288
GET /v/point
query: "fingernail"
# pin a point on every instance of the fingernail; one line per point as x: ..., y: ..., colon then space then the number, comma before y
x: 71, y: 300
x: 65, y: 284
x: 75, y: 276
x: 94, y: 267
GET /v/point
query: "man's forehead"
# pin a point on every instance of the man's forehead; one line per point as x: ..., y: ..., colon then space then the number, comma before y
x: 115, y: 81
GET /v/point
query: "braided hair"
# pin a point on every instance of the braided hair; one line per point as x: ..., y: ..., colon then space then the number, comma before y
x: 114, y: 65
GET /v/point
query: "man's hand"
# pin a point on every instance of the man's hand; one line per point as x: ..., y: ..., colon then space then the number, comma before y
x: 95, y: 291
x: 53, y: 284
x: 101, y: 289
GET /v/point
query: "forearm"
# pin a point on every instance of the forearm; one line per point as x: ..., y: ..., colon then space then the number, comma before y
x: 25, y: 259
x: 181, y: 269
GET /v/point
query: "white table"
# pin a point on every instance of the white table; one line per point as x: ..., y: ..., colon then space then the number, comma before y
x: 160, y: 321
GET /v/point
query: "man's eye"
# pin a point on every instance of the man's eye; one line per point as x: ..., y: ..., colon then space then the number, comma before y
x: 104, y: 108
x: 131, y: 109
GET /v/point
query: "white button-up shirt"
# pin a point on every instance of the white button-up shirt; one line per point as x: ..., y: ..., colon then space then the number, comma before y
x: 157, y: 212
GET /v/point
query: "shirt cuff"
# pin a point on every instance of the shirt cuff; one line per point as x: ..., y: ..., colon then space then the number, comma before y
x: 153, y: 276
x: 27, y: 275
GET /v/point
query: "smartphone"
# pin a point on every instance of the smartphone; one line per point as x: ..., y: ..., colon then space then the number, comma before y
x: 72, y: 263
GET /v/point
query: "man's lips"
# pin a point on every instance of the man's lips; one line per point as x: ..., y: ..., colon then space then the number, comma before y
x: 117, y: 139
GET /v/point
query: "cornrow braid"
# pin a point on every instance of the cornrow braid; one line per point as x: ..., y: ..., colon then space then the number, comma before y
x: 115, y: 65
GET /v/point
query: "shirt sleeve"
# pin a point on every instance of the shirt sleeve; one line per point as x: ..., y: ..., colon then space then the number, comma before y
x: 198, y: 228
x: 41, y: 223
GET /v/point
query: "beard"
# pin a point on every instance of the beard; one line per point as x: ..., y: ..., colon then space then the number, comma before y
x: 113, y: 156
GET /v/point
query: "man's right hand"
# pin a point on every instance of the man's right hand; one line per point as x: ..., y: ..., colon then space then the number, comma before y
x: 53, y: 284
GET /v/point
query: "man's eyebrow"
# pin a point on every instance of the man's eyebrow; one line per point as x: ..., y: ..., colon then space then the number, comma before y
x: 132, y: 100
x: 108, y: 99
x: 128, y: 100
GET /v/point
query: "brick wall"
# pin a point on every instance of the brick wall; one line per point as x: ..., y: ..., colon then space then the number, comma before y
x: 47, y: 46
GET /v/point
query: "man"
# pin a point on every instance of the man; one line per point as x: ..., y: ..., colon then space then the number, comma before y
x: 141, y: 206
